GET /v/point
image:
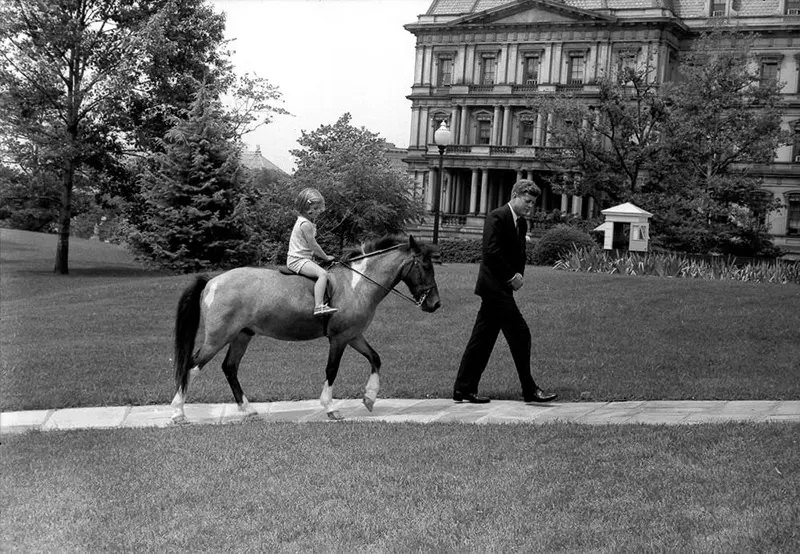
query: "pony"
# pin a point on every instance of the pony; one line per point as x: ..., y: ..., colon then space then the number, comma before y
x: 240, y: 303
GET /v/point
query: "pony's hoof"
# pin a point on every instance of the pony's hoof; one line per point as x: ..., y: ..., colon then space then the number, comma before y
x: 335, y: 415
x: 179, y: 419
x: 369, y: 403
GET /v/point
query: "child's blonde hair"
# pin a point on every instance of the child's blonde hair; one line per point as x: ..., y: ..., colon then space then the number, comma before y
x: 307, y: 198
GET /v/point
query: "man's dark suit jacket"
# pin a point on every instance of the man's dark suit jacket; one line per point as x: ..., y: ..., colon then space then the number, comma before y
x: 503, y: 252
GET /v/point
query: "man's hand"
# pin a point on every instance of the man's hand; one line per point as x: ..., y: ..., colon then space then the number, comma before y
x: 516, y: 281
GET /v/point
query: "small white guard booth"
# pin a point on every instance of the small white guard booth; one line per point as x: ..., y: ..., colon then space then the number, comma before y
x: 626, y: 227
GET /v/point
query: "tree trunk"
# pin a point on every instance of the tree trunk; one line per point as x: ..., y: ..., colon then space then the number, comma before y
x: 62, y: 250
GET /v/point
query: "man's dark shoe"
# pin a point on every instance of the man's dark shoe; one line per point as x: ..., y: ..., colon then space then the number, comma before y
x: 540, y: 396
x: 470, y: 397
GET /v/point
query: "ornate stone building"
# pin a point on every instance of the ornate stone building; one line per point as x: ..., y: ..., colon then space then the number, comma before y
x: 479, y: 62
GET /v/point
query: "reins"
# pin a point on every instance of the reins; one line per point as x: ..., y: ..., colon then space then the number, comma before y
x: 373, y: 281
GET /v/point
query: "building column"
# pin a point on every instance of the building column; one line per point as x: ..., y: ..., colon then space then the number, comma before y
x: 545, y: 194
x: 590, y: 206
x: 538, y: 138
x: 484, y: 191
x: 429, y: 189
x: 473, y: 193
x: 496, y: 127
x: 548, y: 139
x: 459, y: 195
x: 519, y: 174
x: 447, y: 178
x: 506, y: 125
x: 564, y: 203
x: 454, y: 123
x: 577, y: 205
x: 463, y: 131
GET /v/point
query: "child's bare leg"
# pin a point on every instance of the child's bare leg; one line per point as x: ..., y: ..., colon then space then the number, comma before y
x: 319, y: 289
x: 311, y: 269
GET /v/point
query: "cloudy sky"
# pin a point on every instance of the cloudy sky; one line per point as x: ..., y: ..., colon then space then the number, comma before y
x: 327, y: 57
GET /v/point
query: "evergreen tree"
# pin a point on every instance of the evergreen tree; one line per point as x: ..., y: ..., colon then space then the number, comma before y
x: 193, y: 195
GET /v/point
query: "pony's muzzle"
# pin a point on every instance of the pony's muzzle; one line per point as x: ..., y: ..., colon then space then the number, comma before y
x: 431, y: 302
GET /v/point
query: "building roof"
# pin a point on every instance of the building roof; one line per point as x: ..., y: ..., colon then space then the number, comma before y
x: 680, y: 8
x: 253, y: 159
x: 625, y: 209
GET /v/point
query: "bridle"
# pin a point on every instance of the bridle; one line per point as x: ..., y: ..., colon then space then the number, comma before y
x: 415, y: 263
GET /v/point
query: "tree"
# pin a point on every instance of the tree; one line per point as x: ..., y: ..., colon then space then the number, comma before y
x: 603, y: 148
x: 84, y: 84
x: 722, y: 119
x: 192, y: 196
x: 365, y: 195
x: 65, y: 68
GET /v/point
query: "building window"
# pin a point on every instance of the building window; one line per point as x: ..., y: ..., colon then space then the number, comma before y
x: 792, y: 7
x: 718, y: 9
x: 484, y: 131
x: 445, y: 73
x: 793, y: 214
x: 530, y: 71
x: 488, y: 70
x: 769, y: 71
x: 575, y: 69
x: 626, y: 60
x: 796, y: 143
x: 526, y: 132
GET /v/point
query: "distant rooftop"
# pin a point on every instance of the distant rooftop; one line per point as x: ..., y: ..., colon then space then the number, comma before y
x: 254, y: 159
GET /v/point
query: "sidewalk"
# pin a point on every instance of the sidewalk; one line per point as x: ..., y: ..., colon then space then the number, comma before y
x: 413, y: 411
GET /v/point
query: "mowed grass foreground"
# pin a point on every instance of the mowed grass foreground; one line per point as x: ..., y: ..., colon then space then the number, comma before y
x: 103, y: 336
x: 364, y: 487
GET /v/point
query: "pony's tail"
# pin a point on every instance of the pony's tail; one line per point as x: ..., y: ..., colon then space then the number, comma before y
x: 187, y: 320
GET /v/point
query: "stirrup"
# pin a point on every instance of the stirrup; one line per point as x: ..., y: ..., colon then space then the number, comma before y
x: 324, y: 309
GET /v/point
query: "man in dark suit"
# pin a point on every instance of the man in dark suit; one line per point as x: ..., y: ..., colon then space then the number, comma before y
x: 499, y: 275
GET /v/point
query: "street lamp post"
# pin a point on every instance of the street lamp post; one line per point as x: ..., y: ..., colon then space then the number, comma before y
x: 442, y: 138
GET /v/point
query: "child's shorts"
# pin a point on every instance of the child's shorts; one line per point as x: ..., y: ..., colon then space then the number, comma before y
x: 296, y: 264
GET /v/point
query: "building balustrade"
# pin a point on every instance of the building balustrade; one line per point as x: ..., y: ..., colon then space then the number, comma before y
x: 501, y: 150
x: 480, y: 150
x: 514, y: 88
x: 454, y: 220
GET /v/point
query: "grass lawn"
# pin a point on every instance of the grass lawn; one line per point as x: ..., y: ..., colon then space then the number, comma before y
x: 103, y: 336
x: 346, y: 487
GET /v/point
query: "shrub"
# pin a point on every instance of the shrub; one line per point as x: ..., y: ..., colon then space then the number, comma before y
x: 671, y: 264
x: 558, y: 242
x: 460, y: 251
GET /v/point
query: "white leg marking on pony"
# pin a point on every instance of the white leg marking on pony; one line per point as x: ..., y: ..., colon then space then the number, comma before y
x: 371, y: 390
x: 326, y: 399
x: 178, y: 416
x: 246, y: 408
x: 177, y: 409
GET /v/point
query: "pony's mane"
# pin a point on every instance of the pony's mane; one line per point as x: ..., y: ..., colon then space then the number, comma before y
x: 374, y: 245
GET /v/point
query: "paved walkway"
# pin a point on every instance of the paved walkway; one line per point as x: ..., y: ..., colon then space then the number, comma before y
x: 413, y: 411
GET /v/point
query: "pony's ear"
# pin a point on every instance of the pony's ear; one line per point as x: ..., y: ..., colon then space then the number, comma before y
x: 412, y: 243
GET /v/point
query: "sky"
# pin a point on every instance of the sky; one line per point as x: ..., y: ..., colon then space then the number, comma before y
x: 327, y: 58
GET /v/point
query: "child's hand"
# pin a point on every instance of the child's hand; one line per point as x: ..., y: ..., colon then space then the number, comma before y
x: 329, y: 258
